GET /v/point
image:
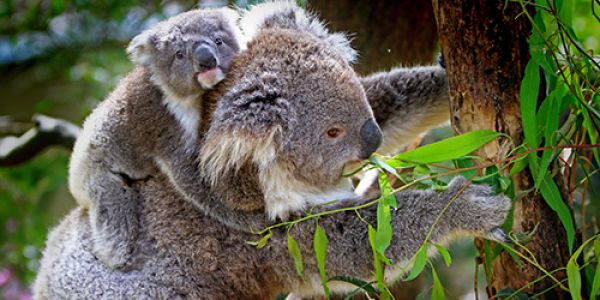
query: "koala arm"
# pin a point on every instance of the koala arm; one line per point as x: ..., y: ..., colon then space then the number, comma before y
x: 406, y: 102
x: 100, y: 173
x: 475, y: 211
x: 178, y: 162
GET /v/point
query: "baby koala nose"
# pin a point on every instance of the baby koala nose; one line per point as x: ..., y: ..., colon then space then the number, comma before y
x: 372, y: 138
x: 205, y: 56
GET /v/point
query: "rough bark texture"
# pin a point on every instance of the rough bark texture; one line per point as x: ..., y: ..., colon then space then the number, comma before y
x: 485, y: 49
x: 386, y: 33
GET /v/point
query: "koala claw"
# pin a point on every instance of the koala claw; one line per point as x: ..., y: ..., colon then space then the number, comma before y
x: 479, y: 209
x: 497, y: 234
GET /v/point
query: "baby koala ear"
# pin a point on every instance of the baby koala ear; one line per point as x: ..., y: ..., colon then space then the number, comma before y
x: 140, y: 48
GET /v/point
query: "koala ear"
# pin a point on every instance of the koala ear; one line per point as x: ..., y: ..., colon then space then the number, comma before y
x: 246, y: 129
x: 287, y: 15
x: 140, y: 48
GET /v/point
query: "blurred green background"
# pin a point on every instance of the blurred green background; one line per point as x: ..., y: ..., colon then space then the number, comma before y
x: 60, y: 58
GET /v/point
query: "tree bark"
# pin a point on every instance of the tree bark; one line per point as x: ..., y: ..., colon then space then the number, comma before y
x: 386, y: 33
x: 485, y: 49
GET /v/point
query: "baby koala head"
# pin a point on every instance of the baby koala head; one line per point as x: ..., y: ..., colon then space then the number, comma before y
x: 189, y: 53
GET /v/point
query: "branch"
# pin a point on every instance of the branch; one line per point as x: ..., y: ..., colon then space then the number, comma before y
x: 46, y: 132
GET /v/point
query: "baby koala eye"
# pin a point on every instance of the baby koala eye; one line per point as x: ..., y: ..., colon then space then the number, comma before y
x: 179, y: 54
x: 334, y: 131
x: 219, y: 41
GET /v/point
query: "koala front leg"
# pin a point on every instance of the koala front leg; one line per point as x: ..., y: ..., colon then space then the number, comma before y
x: 406, y: 102
x: 475, y: 211
x: 114, y: 218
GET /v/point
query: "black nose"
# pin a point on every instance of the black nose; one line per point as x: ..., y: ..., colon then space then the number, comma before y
x: 372, y: 138
x: 206, y: 56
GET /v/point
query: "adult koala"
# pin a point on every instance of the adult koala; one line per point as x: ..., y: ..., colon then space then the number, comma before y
x: 287, y: 119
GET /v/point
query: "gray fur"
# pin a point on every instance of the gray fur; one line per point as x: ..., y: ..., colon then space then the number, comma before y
x: 143, y: 125
x: 280, y: 94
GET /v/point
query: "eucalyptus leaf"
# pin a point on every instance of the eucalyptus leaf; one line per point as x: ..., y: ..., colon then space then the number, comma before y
x: 419, y: 264
x: 383, y: 237
x: 437, y: 292
x: 528, y: 94
x: 448, y: 149
x: 596, y: 282
x: 445, y: 254
x: 295, y: 253
x: 320, y: 247
x: 262, y: 242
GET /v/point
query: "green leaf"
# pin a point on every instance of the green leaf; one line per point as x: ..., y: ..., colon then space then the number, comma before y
x: 519, y: 165
x: 528, y: 94
x: 591, y: 129
x: 565, y: 11
x: 383, y: 236
x: 376, y: 261
x: 320, y: 245
x: 387, y: 193
x: 450, y: 148
x: 552, y: 116
x: 465, y: 163
x: 574, y: 279
x: 573, y: 275
x: 419, y: 264
x: 596, y: 284
x: 553, y: 198
x: 294, y: 251
x: 262, y: 242
x: 374, y: 159
x: 445, y: 254
x: 437, y: 292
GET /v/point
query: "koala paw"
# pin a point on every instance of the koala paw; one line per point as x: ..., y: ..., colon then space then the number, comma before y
x: 479, y: 210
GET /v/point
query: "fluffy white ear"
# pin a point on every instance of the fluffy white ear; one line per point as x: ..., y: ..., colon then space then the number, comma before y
x: 140, y: 48
x: 287, y: 14
x: 234, y: 16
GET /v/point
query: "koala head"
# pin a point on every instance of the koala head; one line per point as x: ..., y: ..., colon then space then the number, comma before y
x: 190, y: 52
x: 294, y: 110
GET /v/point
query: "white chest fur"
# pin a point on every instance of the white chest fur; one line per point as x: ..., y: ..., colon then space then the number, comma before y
x: 188, y: 117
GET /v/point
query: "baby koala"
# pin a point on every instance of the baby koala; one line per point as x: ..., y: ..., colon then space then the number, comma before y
x: 150, y: 123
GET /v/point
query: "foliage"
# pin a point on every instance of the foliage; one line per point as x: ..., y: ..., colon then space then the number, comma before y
x: 570, y: 74
x: 26, y: 216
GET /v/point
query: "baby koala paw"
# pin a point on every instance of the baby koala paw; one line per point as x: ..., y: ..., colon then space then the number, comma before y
x: 478, y: 210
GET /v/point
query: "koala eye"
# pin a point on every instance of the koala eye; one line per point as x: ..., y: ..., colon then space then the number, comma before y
x: 219, y: 41
x: 179, y: 54
x: 334, y: 131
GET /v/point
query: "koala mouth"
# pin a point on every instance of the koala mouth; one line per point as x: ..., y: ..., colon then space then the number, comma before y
x: 352, y: 167
x: 210, y: 77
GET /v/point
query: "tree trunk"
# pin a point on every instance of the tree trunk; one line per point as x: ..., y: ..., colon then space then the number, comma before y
x: 485, y: 48
x: 386, y: 33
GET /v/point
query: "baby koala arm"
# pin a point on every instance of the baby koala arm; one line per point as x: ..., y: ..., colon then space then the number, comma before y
x: 179, y: 161
x: 99, y: 182
x: 407, y: 102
